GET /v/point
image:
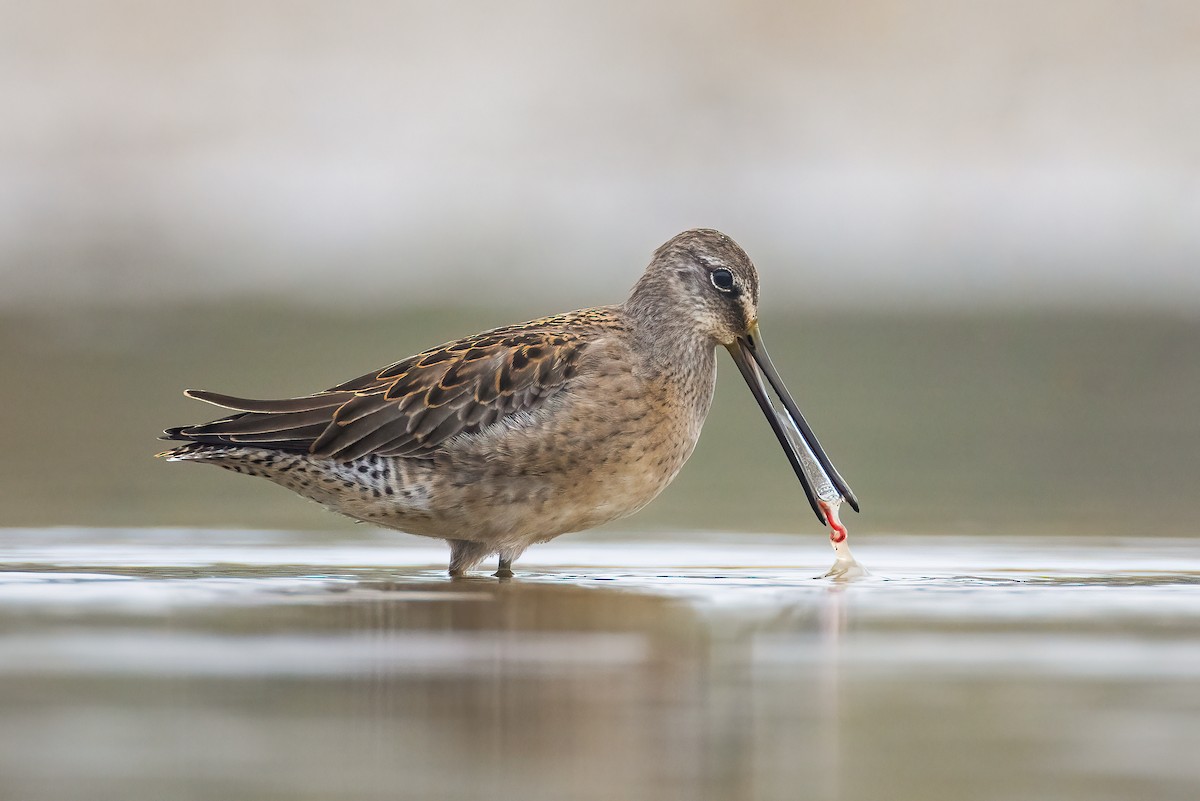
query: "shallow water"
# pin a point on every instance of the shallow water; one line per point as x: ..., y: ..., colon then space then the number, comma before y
x: 260, y: 665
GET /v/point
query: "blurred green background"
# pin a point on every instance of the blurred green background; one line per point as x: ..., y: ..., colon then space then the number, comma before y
x: 996, y: 422
x: 978, y: 227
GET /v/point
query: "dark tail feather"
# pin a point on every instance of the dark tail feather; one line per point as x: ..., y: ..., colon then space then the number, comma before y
x: 289, y: 424
x: 257, y: 423
x: 308, y: 403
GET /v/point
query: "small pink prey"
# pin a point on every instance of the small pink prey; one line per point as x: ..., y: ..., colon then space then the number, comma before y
x: 845, y: 566
x: 838, y: 531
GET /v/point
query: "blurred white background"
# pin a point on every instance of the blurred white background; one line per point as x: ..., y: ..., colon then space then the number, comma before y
x: 918, y: 153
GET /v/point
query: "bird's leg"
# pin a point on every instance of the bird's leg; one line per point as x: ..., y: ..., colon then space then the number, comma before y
x: 505, y: 570
x: 464, y: 555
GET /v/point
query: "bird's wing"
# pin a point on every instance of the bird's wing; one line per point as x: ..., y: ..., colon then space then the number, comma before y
x: 412, y: 406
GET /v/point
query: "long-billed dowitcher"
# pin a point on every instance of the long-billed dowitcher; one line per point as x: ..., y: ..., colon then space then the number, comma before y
x: 517, y: 435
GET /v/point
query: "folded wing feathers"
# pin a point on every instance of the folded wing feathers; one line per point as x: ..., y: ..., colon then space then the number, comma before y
x: 361, y: 406
x: 360, y: 442
x: 410, y: 407
x: 294, y: 437
x: 263, y: 423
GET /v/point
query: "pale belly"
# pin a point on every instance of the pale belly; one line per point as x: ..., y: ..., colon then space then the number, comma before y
x: 506, y: 504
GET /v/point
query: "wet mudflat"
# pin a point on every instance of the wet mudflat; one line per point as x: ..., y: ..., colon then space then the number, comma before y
x: 189, y: 664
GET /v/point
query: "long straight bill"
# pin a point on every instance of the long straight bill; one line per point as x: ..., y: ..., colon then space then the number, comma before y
x: 817, y: 474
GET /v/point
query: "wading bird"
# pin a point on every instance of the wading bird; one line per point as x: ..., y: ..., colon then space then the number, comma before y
x: 514, y: 436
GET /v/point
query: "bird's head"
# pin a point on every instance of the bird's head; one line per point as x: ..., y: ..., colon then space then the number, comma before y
x: 703, y: 280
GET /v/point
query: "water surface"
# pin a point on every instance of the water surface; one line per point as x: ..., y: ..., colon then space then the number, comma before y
x: 262, y: 665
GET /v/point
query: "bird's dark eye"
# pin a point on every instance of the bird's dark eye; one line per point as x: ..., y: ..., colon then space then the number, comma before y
x: 722, y: 279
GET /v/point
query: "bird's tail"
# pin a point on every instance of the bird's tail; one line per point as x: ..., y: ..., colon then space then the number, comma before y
x: 192, y: 450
